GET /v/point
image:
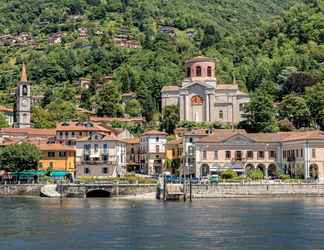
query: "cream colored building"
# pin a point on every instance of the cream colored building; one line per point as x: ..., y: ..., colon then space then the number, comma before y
x: 152, y: 150
x: 202, y: 99
x: 100, y: 155
x: 288, y: 152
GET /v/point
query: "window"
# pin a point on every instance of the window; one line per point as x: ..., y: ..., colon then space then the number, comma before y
x: 173, y: 152
x: 157, y: 139
x: 241, y: 107
x: 24, y: 90
x: 66, y: 134
x: 221, y: 115
x: 198, y: 71
x: 260, y: 155
x: 249, y: 154
x: 301, y: 153
x: 105, y: 170
x: 61, y: 134
x: 105, y: 149
x: 86, y: 171
x: 62, y: 154
x: 209, y: 71
x: 215, y: 155
x: 204, y: 155
x: 96, y: 148
x: 80, y: 133
x: 228, y: 155
x: 190, y: 140
x: 188, y: 72
x: 73, y: 134
x: 297, y: 153
x: 51, y: 164
x: 157, y: 149
x: 132, y: 150
x: 313, y: 153
x: 51, y: 154
x: 238, y: 155
x: 273, y: 154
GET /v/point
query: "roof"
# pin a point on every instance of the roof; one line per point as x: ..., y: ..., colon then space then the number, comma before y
x: 220, y: 136
x: 81, y: 126
x: 5, y: 109
x: 226, y: 87
x: 170, y: 88
x: 81, y: 110
x: 135, y: 140
x: 175, y: 142
x: 23, y: 76
x: 154, y: 132
x: 53, y: 147
x: 28, y: 131
x: 200, y: 59
x: 121, y: 119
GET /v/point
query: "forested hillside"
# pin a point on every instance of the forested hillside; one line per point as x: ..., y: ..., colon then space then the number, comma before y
x: 272, y: 47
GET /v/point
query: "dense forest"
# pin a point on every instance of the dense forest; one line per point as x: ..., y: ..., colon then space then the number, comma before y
x: 273, y: 48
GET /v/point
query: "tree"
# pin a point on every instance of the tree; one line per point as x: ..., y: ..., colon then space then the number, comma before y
x: 255, y: 174
x: 261, y: 113
x: 228, y: 174
x: 61, y: 111
x: 3, y: 121
x: 41, y: 118
x: 295, y: 109
x: 20, y: 157
x: 314, y: 97
x: 133, y: 108
x: 170, y: 118
x: 107, y: 100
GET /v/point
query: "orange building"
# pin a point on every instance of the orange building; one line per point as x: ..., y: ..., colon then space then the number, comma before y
x: 57, y: 157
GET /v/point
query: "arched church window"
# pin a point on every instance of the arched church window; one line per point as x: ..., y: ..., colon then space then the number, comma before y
x: 24, y: 90
x: 198, y: 71
x: 197, y: 100
x: 209, y: 71
x: 221, y: 115
x: 188, y: 72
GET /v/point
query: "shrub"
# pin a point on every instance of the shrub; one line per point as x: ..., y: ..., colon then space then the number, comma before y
x: 228, y: 174
x: 256, y: 174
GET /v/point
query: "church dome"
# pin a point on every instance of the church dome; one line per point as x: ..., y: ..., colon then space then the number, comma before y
x: 200, y: 68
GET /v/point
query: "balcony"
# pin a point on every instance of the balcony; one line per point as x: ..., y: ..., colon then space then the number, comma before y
x: 92, y: 160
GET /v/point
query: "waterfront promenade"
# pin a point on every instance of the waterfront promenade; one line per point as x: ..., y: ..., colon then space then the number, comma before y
x: 199, y: 191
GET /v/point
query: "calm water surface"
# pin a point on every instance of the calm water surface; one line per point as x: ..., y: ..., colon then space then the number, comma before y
x: 86, y: 224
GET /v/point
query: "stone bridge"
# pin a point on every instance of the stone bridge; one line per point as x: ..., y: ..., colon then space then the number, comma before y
x: 105, y: 190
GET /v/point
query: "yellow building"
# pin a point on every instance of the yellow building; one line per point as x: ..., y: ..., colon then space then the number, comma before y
x: 57, y: 157
x: 173, y: 155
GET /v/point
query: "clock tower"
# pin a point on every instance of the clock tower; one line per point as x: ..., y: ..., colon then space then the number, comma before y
x: 23, y: 101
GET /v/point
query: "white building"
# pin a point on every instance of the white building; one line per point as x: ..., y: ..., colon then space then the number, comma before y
x: 100, y: 155
x: 152, y: 148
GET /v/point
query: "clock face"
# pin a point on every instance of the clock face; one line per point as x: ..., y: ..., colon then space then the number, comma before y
x: 24, y: 102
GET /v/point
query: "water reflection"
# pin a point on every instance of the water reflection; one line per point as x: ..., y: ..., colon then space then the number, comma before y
x: 40, y: 223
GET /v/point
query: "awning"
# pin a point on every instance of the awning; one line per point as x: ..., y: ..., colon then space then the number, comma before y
x: 60, y: 174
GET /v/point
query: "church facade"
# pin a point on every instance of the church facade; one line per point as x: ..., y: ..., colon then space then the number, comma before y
x: 202, y: 99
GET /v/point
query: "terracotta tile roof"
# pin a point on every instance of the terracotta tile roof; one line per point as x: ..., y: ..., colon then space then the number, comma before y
x: 53, y: 147
x: 5, y: 109
x: 264, y: 137
x: 175, y: 142
x: 110, y: 119
x: 79, y: 126
x: 28, y: 131
x: 135, y: 140
x: 170, y: 88
x: 154, y: 132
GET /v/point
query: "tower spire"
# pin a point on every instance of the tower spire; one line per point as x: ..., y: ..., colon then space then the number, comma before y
x: 23, y: 76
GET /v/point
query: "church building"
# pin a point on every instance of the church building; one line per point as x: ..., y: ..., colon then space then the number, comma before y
x: 202, y: 99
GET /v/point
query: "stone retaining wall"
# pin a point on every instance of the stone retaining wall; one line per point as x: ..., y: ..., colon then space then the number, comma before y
x: 256, y: 190
x: 21, y: 189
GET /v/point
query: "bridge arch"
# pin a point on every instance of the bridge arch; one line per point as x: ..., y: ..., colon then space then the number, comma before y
x: 98, y: 193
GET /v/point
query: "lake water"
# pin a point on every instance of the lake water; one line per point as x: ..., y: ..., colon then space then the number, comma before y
x: 87, y: 224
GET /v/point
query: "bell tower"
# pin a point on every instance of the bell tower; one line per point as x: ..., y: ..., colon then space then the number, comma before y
x: 23, y: 101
